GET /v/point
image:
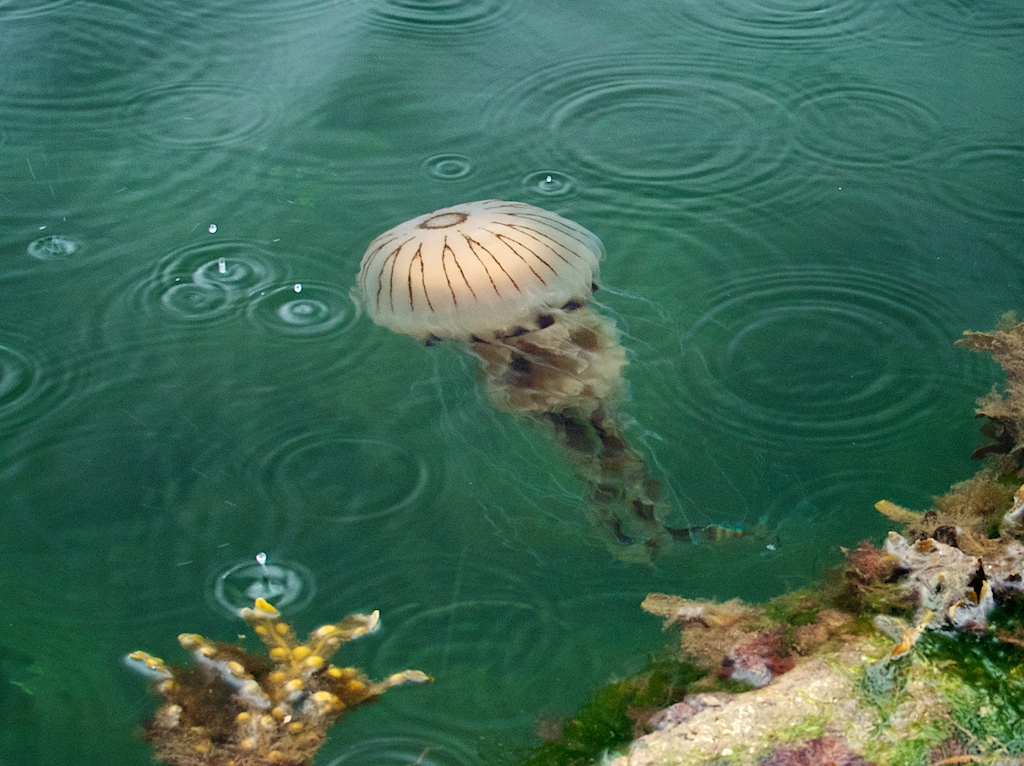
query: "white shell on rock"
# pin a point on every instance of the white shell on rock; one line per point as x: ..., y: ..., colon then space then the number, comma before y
x: 477, y: 269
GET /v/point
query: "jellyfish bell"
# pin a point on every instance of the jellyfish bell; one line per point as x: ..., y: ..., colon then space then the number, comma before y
x: 482, y: 269
x: 513, y: 283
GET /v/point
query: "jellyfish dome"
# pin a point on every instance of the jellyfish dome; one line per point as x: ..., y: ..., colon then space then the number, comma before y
x: 478, y: 270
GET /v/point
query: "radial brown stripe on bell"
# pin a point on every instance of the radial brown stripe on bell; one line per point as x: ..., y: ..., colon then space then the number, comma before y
x: 474, y: 244
x: 521, y: 257
x: 448, y: 253
x: 553, y: 245
x: 418, y: 257
x: 393, y: 257
x: 483, y: 265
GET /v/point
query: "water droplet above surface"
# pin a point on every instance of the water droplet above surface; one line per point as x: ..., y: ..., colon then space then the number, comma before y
x: 550, y: 183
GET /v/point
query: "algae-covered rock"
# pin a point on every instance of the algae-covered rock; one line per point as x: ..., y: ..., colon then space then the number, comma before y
x: 886, y: 691
x: 912, y: 653
x: 817, y: 698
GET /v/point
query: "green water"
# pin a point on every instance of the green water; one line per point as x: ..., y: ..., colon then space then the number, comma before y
x: 803, y: 204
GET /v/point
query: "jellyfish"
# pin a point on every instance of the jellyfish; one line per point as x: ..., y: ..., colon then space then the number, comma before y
x: 512, y: 284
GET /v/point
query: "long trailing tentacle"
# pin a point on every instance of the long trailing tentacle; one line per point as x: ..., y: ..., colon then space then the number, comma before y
x: 567, y: 373
x: 624, y: 498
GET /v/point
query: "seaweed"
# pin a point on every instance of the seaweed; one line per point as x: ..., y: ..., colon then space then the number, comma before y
x: 616, y: 714
x: 985, y: 687
x: 233, y: 708
x: 1004, y: 412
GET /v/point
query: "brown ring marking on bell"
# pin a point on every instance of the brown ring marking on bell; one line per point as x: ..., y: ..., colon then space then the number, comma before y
x: 444, y: 220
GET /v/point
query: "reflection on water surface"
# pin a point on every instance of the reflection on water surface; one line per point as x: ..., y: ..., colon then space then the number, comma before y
x: 803, y: 205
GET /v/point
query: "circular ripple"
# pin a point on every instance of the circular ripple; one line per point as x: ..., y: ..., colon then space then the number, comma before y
x: 288, y: 585
x: 205, y: 282
x: 836, y: 508
x: 861, y: 125
x: 788, y: 23
x: 814, y: 354
x: 23, y: 9
x: 344, y: 480
x: 698, y: 126
x: 439, y: 20
x: 235, y: 265
x: 993, y: 18
x: 448, y: 167
x: 54, y: 247
x: 551, y: 183
x: 987, y: 182
x: 846, y: 494
x: 304, y: 309
x: 195, y: 303
x: 29, y: 387
x: 279, y: 10
x: 20, y: 381
x: 198, y: 114
x: 97, y: 67
x: 423, y: 750
x: 17, y: 374
x: 243, y: 271
x: 474, y: 647
x: 662, y: 119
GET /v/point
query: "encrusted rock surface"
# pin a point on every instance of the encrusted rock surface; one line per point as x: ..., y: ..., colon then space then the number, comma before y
x: 817, y: 697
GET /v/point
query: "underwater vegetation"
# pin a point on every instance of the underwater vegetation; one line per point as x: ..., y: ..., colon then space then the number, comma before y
x: 233, y: 708
x: 616, y: 714
x: 911, y: 653
x: 1005, y: 412
x: 511, y: 283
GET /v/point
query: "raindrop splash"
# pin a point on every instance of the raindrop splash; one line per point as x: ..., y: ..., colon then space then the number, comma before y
x: 286, y: 584
x: 53, y: 248
x: 549, y: 184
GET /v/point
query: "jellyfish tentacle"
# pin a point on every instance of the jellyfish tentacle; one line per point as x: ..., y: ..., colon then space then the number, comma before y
x: 622, y: 467
x: 567, y: 375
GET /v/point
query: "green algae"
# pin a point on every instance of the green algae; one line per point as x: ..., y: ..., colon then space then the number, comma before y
x: 612, y: 717
x: 810, y: 727
x: 984, y: 686
x: 910, y: 751
x: 796, y: 609
x: 882, y: 684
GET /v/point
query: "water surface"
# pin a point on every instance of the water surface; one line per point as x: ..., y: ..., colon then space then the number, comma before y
x: 803, y: 203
